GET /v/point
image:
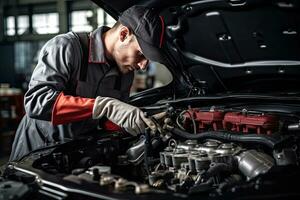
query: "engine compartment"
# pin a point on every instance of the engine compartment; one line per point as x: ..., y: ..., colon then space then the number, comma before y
x: 206, y: 152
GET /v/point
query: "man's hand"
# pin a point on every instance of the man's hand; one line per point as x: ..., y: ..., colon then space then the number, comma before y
x: 130, y: 118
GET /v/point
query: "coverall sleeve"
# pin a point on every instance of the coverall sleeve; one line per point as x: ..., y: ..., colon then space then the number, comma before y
x: 57, y: 61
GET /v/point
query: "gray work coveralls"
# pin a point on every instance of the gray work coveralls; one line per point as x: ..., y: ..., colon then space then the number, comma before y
x: 58, y: 70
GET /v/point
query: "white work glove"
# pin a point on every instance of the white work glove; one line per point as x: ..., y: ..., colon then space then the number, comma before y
x: 130, y: 118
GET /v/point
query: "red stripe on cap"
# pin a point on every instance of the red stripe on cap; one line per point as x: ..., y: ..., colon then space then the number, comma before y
x: 162, y: 31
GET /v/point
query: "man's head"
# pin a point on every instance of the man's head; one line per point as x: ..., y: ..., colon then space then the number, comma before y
x: 140, y: 34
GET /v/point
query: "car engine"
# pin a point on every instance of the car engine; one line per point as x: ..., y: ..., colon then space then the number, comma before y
x: 208, y: 152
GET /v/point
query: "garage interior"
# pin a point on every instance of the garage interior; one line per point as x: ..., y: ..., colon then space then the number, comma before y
x: 26, y: 25
x: 219, y: 120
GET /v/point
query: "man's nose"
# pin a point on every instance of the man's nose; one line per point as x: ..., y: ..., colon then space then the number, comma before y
x: 143, y: 64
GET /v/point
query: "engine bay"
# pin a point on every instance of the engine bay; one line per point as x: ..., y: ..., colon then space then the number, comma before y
x: 207, y: 152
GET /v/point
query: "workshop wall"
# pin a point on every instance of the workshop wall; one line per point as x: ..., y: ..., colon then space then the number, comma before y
x: 7, y: 72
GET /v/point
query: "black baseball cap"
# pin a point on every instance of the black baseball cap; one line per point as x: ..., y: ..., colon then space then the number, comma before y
x: 149, y: 29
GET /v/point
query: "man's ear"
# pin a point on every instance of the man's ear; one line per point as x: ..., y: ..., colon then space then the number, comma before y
x: 124, y: 33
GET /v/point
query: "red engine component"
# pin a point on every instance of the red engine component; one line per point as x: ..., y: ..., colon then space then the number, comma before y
x: 206, y: 120
x: 258, y: 123
x: 266, y: 124
x: 233, y: 121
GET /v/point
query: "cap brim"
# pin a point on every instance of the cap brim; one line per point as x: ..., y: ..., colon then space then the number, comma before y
x: 150, y: 52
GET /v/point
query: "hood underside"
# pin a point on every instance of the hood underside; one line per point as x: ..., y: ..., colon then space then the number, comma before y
x: 230, y: 45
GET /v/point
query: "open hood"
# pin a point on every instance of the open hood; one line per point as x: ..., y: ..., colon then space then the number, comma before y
x: 115, y: 7
x: 230, y: 45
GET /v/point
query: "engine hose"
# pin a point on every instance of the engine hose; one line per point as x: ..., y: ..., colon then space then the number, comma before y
x: 147, y: 149
x: 266, y: 140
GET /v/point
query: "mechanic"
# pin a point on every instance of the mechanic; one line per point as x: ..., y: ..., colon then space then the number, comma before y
x: 71, y: 88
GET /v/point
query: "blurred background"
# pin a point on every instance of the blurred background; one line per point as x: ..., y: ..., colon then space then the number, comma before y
x: 25, y: 26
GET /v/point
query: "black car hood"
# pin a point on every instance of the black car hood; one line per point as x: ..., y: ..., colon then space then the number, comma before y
x: 229, y: 45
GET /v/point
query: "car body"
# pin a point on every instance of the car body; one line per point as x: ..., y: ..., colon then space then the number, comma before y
x: 227, y: 125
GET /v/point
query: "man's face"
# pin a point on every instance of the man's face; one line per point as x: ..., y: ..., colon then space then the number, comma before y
x: 128, y: 54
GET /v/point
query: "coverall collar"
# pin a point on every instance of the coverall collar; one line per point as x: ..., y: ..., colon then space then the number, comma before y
x: 96, y: 46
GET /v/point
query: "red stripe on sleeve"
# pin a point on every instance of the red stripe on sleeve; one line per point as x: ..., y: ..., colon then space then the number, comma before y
x: 68, y: 109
